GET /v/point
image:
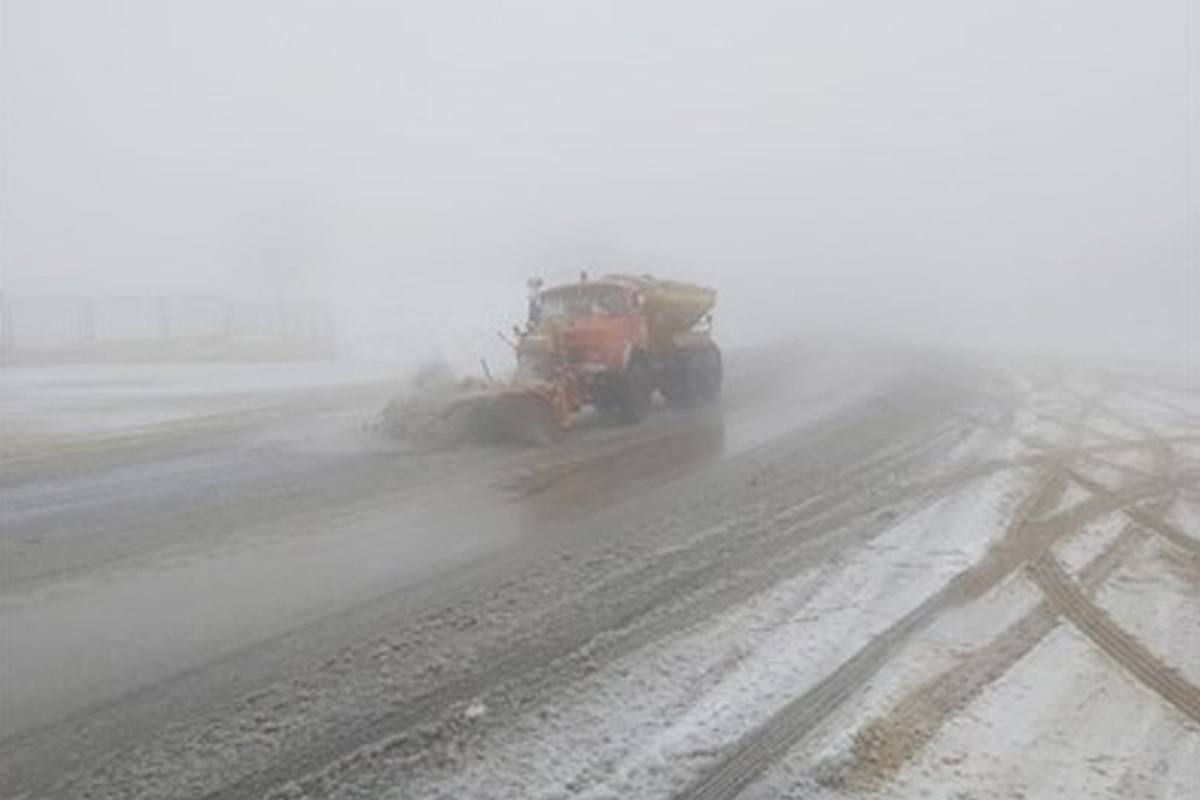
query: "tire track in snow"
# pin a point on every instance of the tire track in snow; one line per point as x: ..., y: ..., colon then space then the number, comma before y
x: 886, y: 743
x: 1070, y: 600
x: 1165, y: 460
x: 1153, y: 520
x: 1036, y: 529
x: 753, y: 753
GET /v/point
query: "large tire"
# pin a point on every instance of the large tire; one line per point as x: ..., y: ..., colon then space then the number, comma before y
x: 679, y: 388
x: 708, y: 376
x: 694, y: 378
x: 606, y: 397
x: 636, y: 392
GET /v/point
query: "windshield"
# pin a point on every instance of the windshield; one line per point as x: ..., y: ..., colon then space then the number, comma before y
x: 585, y: 300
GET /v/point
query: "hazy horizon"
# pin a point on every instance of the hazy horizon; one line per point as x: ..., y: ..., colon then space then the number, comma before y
x: 1018, y: 174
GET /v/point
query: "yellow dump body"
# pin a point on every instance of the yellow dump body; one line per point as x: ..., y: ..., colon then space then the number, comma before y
x: 672, y: 308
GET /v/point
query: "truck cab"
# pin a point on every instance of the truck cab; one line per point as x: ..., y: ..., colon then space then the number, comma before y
x: 596, y: 325
x: 617, y: 340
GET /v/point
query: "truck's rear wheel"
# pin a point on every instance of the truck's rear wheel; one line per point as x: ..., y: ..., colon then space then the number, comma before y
x: 636, y: 391
x: 679, y: 388
x: 708, y: 375
x: 694, y: 379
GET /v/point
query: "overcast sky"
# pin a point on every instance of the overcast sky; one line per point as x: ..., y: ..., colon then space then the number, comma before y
x: 1002, y: 172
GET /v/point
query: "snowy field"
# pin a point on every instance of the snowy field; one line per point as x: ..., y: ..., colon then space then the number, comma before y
x: 81, y: 400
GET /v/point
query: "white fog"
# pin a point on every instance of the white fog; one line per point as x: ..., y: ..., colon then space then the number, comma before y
x: 578, y: 400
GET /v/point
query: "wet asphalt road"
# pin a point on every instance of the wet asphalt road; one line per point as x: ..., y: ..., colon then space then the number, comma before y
x: 225, y: 614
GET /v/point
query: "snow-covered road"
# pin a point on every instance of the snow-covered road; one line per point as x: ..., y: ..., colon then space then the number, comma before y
x: 874, y: 575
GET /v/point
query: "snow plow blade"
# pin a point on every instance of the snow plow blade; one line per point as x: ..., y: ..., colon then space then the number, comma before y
x: 442, y: 412
x: 508, y: 416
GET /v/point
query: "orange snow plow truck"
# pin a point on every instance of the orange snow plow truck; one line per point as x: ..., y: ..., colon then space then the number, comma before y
x: 611, y: 344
